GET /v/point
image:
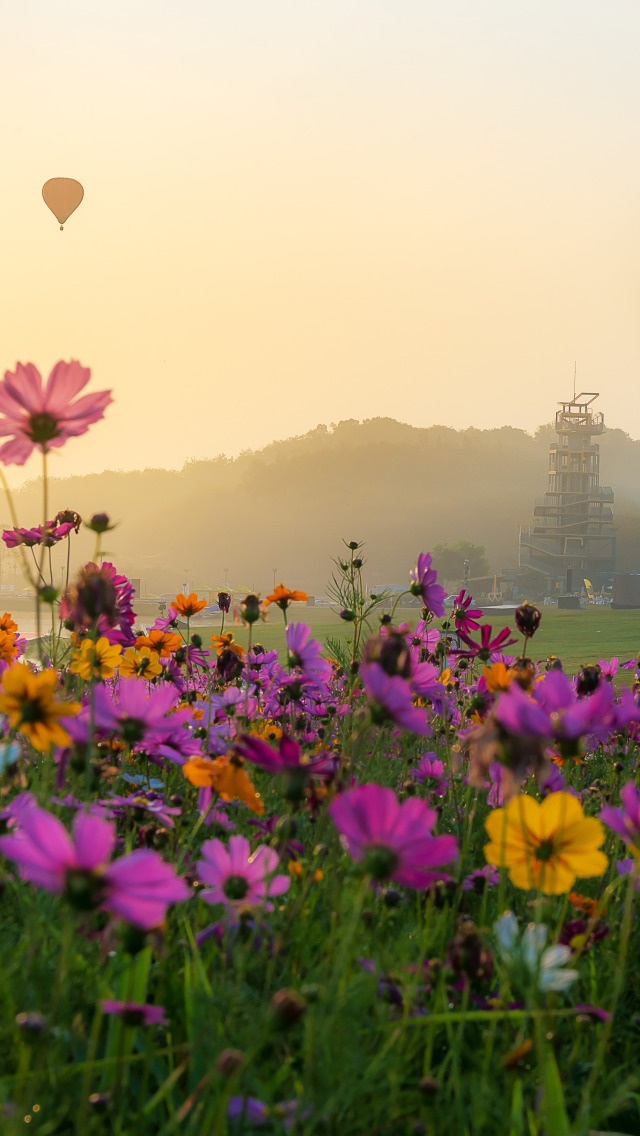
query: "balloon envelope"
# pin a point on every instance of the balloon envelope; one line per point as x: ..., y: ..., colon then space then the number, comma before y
x: 62, y: 195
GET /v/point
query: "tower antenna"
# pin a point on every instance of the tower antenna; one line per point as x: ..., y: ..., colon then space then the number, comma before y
x: 574, y: 380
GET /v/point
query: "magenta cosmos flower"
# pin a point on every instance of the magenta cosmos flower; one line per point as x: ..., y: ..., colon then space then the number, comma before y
x: 135, y: 1013
x: 423, y: 583
x: 237, y: 877
x: 139, y: 714
x: 393, y: 840
x: 45, y: 417
x: 625, y: 822
x: 306, y: 653
x: 389, y: 698
x: 138, y: 887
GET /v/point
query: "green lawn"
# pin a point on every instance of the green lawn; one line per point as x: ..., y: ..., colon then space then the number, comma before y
x: 577, y: 637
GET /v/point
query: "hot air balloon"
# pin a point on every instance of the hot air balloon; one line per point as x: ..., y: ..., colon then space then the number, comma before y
x: 63, y: 196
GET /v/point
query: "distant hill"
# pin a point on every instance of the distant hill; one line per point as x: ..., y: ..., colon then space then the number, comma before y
x: 398, y: 488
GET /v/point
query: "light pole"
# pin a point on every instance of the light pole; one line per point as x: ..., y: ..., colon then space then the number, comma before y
x: 274, y: 578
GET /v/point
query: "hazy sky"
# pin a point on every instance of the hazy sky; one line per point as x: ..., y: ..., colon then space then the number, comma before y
x: 299, y: 211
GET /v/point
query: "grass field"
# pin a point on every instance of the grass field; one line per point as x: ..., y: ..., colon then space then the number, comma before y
x: 577, y: 637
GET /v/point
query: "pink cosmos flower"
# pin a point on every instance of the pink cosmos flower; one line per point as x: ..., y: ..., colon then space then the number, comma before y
x: 393, y: 840
x: 135, y: 1013
x: 30, y: 537
x: 138, y: 887
x: 423, y: 583
x: 237, y: 877
x: 45, y: 417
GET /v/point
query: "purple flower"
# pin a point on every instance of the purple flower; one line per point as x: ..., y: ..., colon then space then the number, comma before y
x: 134, y: 1013
x: 288, y: 759
x: 151, y: 804
x: 138, y: 711
x: 389, y: 697
x: 481, y: 878
x: 423, y: 583
x: 306, y: 653
x: 138, y: 887
x: 431, y: 771
x: 625, y: 821
x: 393, y: 840
x: 516, y: 712
x: 237, y: 877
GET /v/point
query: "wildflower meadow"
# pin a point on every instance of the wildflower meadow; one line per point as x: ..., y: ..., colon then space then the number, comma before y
x: 378, y: 886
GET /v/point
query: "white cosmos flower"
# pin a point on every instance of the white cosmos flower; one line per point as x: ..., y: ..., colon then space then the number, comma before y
x: 528, y: 954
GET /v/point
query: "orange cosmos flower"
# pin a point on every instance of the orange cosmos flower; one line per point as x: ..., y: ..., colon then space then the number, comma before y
x: 188, y: 605
x: 7, y: 623
x: 227, y: 776
x: 164, y: 642
x: 222, y: 642
x: 8, y: 649
x: 590, y: 907
x: 283, y: 596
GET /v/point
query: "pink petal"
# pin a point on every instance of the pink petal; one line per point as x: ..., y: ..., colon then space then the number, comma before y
x: 64, y: 383
x: 16, y: 451
x: 94, y: 839
x: 25, y: 386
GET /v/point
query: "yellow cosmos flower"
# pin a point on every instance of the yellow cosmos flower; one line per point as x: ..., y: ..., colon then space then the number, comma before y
x: 497, y: 677
x: 29, y: 701
x: 97, y: 660
x: 266, y: 729
x: 546, y: 846
x: 144, y: 663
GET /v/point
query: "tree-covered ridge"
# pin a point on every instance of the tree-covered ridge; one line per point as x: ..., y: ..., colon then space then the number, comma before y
x: 281, y: 507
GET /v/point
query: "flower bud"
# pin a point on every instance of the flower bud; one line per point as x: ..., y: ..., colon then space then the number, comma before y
x: 230, y: 1062
x: 348, y: 615
x: 31, y: 1023
x: 527, y: 618
x: 391, y: 652
x: 287, y: 1007
x: 428, y: 1086
x: 224, y: 601
x: 250, y: 608
x: 99, y: 523
x: 48, y: 594
x: 588, y: 680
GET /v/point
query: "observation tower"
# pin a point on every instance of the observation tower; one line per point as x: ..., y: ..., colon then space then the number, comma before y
x: 572, y: 537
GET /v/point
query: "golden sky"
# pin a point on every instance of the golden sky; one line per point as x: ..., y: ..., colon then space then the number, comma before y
x: 299, y: 211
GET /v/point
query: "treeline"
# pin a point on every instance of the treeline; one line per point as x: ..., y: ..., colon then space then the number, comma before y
x: 287, y: 508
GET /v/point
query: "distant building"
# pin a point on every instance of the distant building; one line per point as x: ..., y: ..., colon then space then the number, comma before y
x: 573, y: 537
